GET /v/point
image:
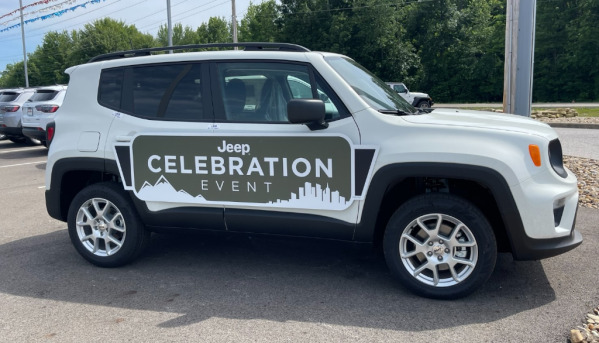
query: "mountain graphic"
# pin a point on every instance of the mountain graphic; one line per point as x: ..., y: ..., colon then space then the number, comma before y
x: 163, y: 191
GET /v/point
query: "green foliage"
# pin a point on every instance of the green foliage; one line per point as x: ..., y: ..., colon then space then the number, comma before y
x: 567, y: 51
x: 217, y: 30
x: 107, y: 35
x: 181, y: 35
x: 259, y: 23
x: 587, y: 111
x: 451, y: 49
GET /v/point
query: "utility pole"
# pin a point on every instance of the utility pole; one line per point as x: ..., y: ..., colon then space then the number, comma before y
x: 170, y: 25
x: 519, y: 56
x: 23, y: 38
x: 234, y: 19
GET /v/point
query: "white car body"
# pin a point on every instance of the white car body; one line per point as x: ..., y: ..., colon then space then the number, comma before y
x: 510, y: 163
x: 41, y: 110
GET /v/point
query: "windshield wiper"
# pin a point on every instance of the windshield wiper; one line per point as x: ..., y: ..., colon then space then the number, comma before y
x: 397, y: 112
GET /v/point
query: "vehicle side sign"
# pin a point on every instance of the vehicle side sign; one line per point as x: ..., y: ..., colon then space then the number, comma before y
x: 292, y: 171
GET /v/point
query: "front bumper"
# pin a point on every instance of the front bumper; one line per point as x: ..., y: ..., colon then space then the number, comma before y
x: 525, y: 248
x: 548, y: 205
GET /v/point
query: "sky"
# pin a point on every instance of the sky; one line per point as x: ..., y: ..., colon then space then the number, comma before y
x: 146, y: 15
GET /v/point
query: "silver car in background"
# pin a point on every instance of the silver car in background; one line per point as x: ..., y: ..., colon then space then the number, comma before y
x: 40, y: 109
x: 11, y: 101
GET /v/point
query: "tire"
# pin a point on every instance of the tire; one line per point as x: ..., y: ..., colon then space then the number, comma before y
x: 104, y: 226
x: 440, y: 246
x: 424, y: 104
x: 24, y: 140
x: 17, y: 140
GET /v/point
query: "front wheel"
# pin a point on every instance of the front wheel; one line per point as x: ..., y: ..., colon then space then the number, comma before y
x: 104, y: 226
x: 424, y: 104
x: 440, y: 246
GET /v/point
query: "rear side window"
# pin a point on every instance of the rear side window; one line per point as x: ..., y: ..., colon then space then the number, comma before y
x: 169, y: 92
x: 8, y: 96
x: 43, y: 95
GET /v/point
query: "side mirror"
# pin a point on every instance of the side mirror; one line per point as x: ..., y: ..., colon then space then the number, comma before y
x: 307, y: 111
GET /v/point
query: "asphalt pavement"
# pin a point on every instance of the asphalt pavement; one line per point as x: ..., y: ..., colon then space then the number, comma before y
x: 579, y: 142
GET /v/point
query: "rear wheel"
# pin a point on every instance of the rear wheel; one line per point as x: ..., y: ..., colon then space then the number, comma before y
x: 440, y: 246
x: 104, y: 226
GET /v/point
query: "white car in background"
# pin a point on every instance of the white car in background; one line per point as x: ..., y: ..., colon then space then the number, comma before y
x: 416, y: 99
x: 40, y: 109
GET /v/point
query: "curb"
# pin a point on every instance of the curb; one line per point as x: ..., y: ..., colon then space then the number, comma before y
x: 574, y: 125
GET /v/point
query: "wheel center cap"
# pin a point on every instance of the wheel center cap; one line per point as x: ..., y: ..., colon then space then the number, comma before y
x: 438, y: 250
x: 101, y: 225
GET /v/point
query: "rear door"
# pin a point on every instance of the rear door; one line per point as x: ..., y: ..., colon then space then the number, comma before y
x: 160, y: 110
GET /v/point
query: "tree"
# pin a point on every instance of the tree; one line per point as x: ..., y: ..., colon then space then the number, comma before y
x: 181, y: 35
x: 450, y: 42
x: 566, y: 51
x: 217, y: 30
x: 53, y: 57
x: 259, y: 23
x: 107, y: 35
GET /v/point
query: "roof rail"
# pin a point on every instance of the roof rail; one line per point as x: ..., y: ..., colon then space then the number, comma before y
x: 248, y: 46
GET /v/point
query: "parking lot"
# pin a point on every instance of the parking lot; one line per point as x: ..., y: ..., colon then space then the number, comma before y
x: 231, y: 288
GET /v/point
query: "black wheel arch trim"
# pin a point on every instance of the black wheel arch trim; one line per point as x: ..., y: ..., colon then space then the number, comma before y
x: 61, y: 167
x: 522, y: 246
x: 419, y: 99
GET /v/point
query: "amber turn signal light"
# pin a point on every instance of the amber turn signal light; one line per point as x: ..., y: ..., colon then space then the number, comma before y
x: 535, y: 154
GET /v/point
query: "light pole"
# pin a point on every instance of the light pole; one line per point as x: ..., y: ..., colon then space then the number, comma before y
x: 234, y: 16
x: 23, y: 38
x: 170, y: 24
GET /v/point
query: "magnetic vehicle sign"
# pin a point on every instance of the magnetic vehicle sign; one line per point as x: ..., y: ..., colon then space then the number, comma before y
x: 311, y: 172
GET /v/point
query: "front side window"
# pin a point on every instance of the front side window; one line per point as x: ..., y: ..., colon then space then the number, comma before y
x: 259, y: 92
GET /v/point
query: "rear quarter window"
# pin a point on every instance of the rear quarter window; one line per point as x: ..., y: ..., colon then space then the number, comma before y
x: 164, y: 92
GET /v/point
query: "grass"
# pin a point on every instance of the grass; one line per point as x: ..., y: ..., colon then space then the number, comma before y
x: 587, y: 112
x: 582, y: 111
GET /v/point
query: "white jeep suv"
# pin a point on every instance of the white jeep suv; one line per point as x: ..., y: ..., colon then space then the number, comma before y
x: 40, y: 110
x: 228, y: 141
x: 417, y: 99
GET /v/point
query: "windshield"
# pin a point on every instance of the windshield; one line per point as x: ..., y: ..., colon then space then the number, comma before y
x: 372, y: 89
x: 43, y: 95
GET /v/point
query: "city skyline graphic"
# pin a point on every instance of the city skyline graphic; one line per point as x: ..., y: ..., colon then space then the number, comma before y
x: 310, y: 196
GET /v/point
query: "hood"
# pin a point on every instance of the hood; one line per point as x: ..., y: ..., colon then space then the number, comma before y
x: 484, y: 120
x: 419, y: 95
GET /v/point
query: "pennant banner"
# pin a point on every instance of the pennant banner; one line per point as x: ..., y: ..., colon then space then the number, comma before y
x: 52, y: 15
x: 30, y: 5
x: 52, y: 8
